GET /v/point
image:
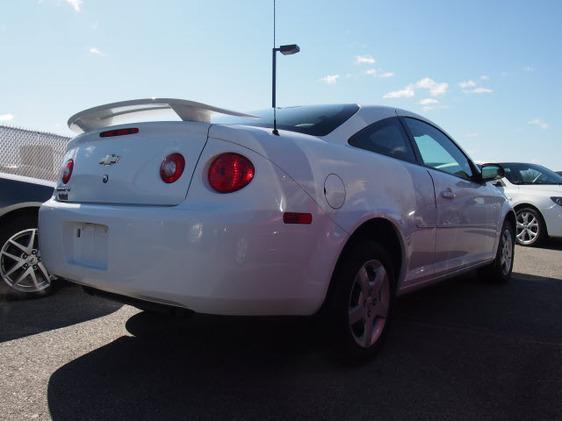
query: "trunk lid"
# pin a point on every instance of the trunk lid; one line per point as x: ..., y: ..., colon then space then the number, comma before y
x: 126, y: 169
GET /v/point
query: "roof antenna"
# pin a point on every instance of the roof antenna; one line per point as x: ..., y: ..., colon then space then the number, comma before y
x: 273, y: 78
x: 286, y: 50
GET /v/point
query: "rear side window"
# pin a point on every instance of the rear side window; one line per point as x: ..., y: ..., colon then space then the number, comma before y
x: 386, y: 137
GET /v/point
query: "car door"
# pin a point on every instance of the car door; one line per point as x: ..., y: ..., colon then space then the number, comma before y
x: 418, y: 212
x: 467, y: 210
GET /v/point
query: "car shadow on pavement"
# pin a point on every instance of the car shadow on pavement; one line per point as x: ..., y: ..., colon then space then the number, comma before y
x: 67, y: 306
x: 461, y: 350
x: 551, y: 244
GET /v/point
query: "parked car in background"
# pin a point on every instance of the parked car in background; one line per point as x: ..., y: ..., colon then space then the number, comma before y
x: 29, y: 166
x: 343, y: 208
x: 535, y: 193
x: 21, y: 267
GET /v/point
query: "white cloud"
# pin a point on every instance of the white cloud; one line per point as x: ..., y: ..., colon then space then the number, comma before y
x: 528, y: 69
x: 96, y: 51
x: 330, y: 79
x: 6, y: 117
x: 471, y: 87
x: 75, y: 4
x: 485, y: 77
x: 467, y: 84
x: 435, y: 88
x: 406, y: 92
x: 482, y: 90
x: 428, y: 101
x: 539, y: 122
x: 385, y: 75
x: 365, y: 59
x: 379, y: 73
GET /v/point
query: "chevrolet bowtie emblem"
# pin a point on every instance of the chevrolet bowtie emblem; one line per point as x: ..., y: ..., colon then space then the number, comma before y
x: 110, y: 160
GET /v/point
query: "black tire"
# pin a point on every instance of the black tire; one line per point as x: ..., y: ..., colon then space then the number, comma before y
x: 524, y: 238
x: 499, y: 271
x: 9, y: 228
x: 346, y: 285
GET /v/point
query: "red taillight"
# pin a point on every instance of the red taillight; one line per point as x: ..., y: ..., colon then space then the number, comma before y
x: 230, y: 172
x: 172, y: 167
x: 67, y: 171
x: 297, y: 218
x: 119, y: 132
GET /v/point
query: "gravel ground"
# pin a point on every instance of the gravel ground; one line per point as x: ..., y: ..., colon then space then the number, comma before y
x: 461, y: 350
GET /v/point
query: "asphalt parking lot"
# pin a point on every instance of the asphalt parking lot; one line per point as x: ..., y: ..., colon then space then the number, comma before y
x: 461, y: 350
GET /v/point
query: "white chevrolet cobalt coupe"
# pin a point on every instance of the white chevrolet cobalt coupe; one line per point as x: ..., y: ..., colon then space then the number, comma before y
x: 342, y: 209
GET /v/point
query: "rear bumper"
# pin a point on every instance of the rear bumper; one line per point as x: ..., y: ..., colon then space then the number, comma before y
x: 208, y: 260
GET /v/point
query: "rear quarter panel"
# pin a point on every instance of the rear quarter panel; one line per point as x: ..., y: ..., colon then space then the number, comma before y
x: 376, y: 186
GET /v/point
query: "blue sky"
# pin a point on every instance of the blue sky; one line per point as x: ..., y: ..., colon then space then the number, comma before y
x: 489, y: 72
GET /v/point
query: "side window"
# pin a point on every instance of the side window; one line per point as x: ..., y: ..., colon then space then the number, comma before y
x: 386, y: 137
x: 437, y: 150
x: 529, y: 175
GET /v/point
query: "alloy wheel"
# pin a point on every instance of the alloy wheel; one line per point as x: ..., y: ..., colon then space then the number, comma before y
x: 528, y: 227
x: 20, y: 263
x: 369, y: 303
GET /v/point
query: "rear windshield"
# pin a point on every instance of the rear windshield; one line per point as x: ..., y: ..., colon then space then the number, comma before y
x: 316, y: 120
x: 519, y: 173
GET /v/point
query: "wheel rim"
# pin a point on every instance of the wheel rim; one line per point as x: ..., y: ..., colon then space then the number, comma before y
x: 369, y: 303
x: 20, y: 263
x: 506, y: 256
x: 528, y: 227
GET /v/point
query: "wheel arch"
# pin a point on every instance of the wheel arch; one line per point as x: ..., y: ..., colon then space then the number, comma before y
x: 510, y: 216
x: 387, y: 234
x: 26, y: 208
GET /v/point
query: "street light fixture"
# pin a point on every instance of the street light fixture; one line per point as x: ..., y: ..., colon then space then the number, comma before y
x: 289, y: 49
x: 286, y: 50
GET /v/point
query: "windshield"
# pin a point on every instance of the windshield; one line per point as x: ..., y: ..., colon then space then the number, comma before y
x: 316, y: 120
x: 518, y: 173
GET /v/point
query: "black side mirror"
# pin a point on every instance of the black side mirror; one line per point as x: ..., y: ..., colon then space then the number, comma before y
x: 491, y: 172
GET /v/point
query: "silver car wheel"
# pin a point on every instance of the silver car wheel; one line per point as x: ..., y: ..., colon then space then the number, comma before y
x: 369, y: 303
x: 528, y: 228
x: 506, y: 256
x: 20, y: 263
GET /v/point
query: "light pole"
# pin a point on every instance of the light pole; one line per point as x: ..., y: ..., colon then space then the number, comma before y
x: 286, y: 50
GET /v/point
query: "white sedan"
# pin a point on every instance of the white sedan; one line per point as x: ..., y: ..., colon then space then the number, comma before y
x: 535, y: 193
x: 342, y: 210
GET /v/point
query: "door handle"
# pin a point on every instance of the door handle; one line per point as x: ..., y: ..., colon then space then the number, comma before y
x: 448, y: 194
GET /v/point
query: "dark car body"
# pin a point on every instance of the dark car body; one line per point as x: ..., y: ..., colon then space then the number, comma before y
x: 19, y: 193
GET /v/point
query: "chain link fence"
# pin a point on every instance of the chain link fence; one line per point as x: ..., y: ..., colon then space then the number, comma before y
x: 30, y: 153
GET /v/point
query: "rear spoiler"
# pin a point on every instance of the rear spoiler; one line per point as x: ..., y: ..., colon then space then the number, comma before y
x: 104, y: 115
